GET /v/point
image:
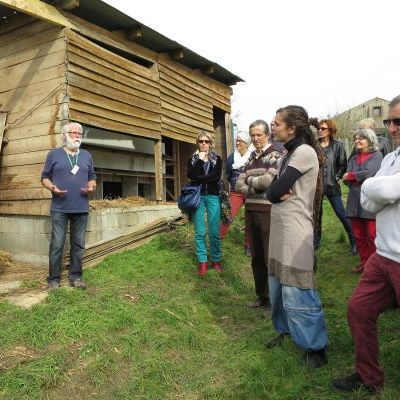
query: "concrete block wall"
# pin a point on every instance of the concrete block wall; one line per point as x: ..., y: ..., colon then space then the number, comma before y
x: 27, y: 238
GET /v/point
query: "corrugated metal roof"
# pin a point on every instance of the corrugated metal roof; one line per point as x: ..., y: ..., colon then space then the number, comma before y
x: 102, y: 14
x: 108, y: 17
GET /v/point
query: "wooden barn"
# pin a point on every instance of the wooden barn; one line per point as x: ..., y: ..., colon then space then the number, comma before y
x: 141, y: 97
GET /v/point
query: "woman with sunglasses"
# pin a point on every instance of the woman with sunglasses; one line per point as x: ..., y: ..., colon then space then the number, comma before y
x: 204, y: 168
x: 334, y: 168
x: 364, y: 164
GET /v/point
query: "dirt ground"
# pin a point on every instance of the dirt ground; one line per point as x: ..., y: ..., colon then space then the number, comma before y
x: 22, y: 284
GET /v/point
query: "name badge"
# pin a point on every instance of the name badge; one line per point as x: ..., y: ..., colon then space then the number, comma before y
x: 75, y: 170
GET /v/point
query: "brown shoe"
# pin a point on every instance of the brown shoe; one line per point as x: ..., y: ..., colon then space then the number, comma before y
x: 78, y: 284
x: 358, y: 270
x: 202, y: 269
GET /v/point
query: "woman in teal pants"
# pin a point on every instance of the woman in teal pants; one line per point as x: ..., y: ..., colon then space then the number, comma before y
x: 205, y: 167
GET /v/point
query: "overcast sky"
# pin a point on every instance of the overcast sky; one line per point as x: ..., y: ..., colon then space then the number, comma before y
x: 326, y: 55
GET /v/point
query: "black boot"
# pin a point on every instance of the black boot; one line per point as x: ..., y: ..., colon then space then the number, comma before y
x: 315, y: 358
x: 352, y: 382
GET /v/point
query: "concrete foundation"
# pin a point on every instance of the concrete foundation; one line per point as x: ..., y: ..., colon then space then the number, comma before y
x: 27, y: 238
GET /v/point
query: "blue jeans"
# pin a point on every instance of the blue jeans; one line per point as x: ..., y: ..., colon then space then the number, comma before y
x: 59, y: 223
x: 338, y: 208
x: 298, y: 312
x: 211, y: 204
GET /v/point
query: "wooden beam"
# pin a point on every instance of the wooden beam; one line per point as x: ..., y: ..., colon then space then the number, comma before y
x: 135, y: 33
x: 177, y: 167
x: 38, y: 9
x: 158, y: 169
x: 3, y: 118
x: 228, y: 133
x: 69, y: 4
x: 208, y: 69
x: 177, y: 54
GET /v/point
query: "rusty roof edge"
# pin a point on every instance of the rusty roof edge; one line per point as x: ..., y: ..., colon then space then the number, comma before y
x: 225, y: 76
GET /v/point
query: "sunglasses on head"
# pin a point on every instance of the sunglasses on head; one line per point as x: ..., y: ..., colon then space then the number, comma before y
x: 394, y: 121
x: 204, y: 141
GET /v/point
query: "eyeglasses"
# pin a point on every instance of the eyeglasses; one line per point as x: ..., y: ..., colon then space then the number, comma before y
x: 323, y: 129
x: 75, y: 133
x: 357, y: 139
x: 394, y: 121
x: 204, y: 141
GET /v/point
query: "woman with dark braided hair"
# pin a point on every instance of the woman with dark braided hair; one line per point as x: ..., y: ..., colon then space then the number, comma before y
x: 295, y: 303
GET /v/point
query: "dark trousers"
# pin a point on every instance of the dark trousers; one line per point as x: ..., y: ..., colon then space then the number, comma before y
x: 258, y: 224
x: 338, y: 208
x: 59, y: 225
x: 377, y: 290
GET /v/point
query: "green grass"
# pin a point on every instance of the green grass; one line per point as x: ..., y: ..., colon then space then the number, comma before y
x: 148, y: 328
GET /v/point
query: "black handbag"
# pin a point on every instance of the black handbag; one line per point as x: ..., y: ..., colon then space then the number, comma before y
x: 189, y: 199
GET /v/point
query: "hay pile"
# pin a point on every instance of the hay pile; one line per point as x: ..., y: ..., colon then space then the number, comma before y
x: 127, y: 202
x: 5, y: 261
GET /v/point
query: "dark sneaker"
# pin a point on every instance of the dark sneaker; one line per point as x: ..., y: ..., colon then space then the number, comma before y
x: 353, y: 250
x: 78, y: 284
x: 352, y: 382
x: 247, y: 251
x: 53, y: 285
x: 259, y: 304
x: 276, y: 341
x: 315, y: 359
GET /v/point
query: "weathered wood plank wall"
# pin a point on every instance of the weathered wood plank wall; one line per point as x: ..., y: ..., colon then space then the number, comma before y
x: 187, y: 100
x: 33, y: 93
x: 101, y: 83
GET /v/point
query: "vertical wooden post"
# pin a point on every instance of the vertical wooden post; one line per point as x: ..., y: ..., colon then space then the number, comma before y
x: 158, y: 169
x: 177, y: 167
x: 228, y: 134
x: 3, y: 117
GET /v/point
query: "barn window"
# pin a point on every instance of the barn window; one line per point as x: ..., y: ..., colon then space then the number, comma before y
x: 377, y: 111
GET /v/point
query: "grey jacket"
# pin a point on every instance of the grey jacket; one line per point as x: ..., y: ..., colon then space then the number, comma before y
x: 362, y: 171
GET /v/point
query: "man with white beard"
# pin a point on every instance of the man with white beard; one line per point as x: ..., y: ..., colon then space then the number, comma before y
x: 68, y: 173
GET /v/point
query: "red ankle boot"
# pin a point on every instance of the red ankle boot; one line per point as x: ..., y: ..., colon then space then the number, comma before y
x: 203, y: 266
x: 217, y: 266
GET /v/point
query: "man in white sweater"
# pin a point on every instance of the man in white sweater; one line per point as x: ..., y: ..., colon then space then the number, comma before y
x: 379, y: 286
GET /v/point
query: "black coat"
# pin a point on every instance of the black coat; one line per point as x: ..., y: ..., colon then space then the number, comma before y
x: 335, y: 167
x: 210, y: 181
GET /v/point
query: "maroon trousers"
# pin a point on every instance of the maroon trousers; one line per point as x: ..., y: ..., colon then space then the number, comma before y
x: 378, y: 289
x: 237, y: 200
x: 364, y: 231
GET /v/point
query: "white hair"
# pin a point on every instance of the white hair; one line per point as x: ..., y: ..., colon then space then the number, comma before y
x: 67, y: 127
x: 371, y: 137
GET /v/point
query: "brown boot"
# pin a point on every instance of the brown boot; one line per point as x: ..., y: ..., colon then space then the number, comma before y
x: 358, y: 270
x: 203, y: 266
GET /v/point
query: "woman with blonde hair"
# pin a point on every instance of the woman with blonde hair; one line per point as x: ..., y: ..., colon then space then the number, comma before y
x: 204, y: 167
